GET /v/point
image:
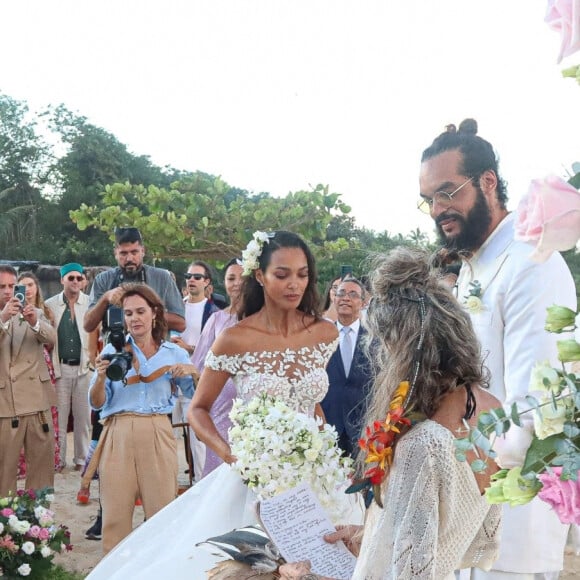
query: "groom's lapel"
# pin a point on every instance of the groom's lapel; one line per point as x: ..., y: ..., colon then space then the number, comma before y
x: 484, y: 268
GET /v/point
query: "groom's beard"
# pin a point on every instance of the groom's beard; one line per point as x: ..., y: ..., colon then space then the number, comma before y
x: 473, y: 227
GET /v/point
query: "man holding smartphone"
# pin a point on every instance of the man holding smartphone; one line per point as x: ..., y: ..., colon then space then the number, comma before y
x: 25, y: 391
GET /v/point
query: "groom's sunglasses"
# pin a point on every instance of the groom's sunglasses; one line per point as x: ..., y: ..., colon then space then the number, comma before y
x: 188, y: 276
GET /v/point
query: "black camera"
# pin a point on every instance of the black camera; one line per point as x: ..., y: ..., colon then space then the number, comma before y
x: 120, y: 361
x: 115, y: 327
x: 119, y: 365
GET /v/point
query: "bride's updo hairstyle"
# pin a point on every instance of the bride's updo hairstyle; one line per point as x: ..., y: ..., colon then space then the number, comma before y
x: 253, y: 294
x: 477, y: 153
x: 417, y: 327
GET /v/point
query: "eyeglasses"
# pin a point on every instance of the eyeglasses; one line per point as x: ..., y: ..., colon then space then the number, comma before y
x: 443, y: 199
x: 188, y: 276
x: 77, y: 278
x: 352, y: 294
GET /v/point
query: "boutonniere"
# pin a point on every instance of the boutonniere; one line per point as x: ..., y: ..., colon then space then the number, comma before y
x: 473, y: 302
x: 20, y: 319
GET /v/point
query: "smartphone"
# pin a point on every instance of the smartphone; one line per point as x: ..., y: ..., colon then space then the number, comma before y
x: 20, y: 293
x: 345, y: 271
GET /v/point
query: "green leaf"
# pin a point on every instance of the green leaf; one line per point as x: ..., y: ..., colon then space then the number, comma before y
x: 541, y: 452
x: 478, y: 466
x: 463, y: 444
x: 515, y: 415
x: 480, y: 440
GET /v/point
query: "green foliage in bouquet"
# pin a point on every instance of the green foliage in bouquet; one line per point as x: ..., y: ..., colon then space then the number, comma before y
x: 554, y: 410
x: 29, y: 536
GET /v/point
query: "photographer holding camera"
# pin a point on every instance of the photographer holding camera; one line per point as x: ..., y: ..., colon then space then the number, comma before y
x: 135, y: 388
x: 105, y: 292
x: 104, y: 309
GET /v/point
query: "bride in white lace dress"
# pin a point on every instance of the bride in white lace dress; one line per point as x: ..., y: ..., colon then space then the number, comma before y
x: 281, y: 346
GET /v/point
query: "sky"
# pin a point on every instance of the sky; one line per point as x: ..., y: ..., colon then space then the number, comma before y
x: 278, y: 96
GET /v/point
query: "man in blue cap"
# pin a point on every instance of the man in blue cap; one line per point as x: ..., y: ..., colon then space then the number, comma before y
x: 71, y: 361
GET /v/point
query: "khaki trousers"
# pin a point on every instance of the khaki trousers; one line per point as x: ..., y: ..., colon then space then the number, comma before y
x: 73, y: 389
x: 38, y: 452
x: 138, y: 459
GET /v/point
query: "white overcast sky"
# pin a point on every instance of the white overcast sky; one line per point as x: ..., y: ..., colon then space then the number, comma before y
x: 274, y: 95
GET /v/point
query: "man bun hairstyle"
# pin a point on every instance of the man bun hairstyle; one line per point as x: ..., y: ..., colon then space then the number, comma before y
x: 477, y: 154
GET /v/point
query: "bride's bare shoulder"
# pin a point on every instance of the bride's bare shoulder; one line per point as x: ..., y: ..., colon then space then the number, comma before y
x: 324, y: 330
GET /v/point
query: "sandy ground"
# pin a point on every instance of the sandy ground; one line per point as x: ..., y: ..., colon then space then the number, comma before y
x: 87, y: 553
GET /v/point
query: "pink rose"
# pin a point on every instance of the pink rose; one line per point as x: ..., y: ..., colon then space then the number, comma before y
x: 549, y: 216
x: 562, y: 496
x: 563, y: 16
x: 34, y: 531
x: 44, y: 534
x: 7, y: 512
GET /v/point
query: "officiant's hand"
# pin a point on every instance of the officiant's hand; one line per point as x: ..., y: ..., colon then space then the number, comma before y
x: 298, y: 571
x: 350, y: 535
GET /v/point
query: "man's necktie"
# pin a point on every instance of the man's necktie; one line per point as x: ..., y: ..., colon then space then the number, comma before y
x: 346, y: 348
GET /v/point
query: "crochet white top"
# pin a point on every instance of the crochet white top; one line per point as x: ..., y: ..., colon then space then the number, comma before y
x: 434, y: 521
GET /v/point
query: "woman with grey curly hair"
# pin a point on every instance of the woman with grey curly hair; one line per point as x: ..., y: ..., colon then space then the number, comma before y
x: 428, y: 517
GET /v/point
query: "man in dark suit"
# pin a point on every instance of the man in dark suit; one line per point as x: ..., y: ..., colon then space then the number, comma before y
x: 349, y: 371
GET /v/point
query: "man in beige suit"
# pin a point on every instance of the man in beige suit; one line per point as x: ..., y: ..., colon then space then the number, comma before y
x: 25, y: 390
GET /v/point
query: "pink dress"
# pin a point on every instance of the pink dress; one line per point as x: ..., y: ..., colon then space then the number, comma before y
x: 220, y: 411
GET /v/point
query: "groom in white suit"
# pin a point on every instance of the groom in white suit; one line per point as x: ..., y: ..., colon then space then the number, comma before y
x: 463, y: 192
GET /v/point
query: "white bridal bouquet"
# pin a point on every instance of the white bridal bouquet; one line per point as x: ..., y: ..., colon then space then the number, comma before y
x: 278, y: 448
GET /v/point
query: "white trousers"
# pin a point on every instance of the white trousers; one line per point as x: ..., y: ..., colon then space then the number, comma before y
x: 198, y: 449
x: 72, y: 390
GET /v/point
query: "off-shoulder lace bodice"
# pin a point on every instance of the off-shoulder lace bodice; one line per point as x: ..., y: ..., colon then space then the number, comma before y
x: 298, y: 377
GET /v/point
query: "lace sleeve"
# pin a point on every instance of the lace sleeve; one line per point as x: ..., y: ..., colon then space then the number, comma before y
x: 222, y: 362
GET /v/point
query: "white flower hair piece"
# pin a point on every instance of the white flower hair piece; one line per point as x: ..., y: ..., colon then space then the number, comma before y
x: 253, y: 252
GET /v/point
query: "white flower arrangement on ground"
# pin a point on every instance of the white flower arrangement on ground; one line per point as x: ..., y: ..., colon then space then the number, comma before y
x: 278, y: 448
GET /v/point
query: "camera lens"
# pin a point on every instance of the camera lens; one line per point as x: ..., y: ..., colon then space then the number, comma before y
x: 117, y: 369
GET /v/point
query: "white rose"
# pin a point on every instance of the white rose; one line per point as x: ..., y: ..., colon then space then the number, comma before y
x: 311, y: 454
x: 543, y: 370
x: 1, y: 527
x: 28, y: 548
x: 45, y: 551
x: 474, y: 304
x: 24, y: 570
x: 551, y: 421
x: 253, y: 248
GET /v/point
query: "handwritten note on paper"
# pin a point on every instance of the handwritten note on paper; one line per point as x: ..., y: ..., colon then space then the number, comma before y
x: 297, y: 522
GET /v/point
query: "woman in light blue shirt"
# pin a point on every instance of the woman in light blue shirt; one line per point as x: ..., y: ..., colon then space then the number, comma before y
x: 137, y: 455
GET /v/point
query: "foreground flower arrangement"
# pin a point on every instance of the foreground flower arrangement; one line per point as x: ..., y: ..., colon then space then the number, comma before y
x: 550, y: 421
x: 29, y: 536
x: 278, y: 448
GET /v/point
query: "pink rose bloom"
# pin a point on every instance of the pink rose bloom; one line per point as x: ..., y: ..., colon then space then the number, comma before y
x: 44, y: 534
x: 7, y: 512
x: 562, y: 496
x: 549, y: 217
x: 563, y: 16
x: 34, y: 531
